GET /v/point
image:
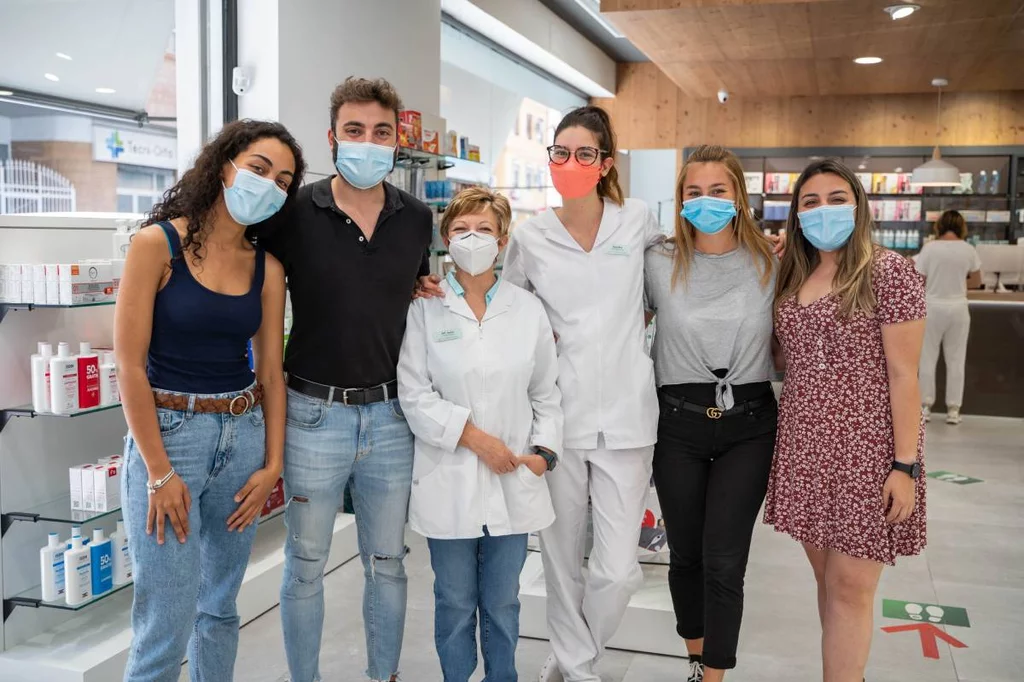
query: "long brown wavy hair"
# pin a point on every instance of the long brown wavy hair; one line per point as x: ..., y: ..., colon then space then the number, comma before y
x: 596, y: 120
x: 852, y: 282
x: 194, y: 196
x: 748, y: 234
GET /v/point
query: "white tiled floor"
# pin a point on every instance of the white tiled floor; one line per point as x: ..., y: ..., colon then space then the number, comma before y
x: 975, y: 559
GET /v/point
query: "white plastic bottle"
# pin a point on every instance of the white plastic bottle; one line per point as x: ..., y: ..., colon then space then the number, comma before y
x: 63, y: 381
x: 41, y: 378
x: 77, y: 573
x: 982, y: 187
x: 993, y: 185
x: 51, y: 567
x: 122, y: 558
x: 109, y: 391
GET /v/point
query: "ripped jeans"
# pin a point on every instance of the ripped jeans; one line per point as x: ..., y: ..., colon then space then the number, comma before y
x: 325, y: 446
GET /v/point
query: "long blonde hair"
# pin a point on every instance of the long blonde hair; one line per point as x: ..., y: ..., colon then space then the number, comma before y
x: 747, y: 233
x: 852, y: 282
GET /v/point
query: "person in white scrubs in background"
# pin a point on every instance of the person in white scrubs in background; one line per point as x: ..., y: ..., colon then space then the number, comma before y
x: 585, y: 261
x: 477, y: 382
x: 950, y: 266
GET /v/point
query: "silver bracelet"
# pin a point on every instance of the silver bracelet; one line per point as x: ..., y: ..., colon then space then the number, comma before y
x: 153, y: 487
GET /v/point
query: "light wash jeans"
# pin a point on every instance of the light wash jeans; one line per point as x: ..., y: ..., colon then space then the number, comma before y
x: 470, y: 576
x: 185, y: 593
x: 325, y: 446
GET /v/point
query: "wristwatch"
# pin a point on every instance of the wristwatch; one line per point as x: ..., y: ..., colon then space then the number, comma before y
x: 549, y: 457
x: 912, y: 470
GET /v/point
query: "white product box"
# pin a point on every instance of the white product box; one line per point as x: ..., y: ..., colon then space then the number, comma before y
x: 116, y: 271
x: 88, y: 281
x: 4, y: 284
x: 52, y: 284
x: 75, y: 475
x: 27, y: 287
x: 89, y: 487
x: 107, y: 491
x: 997, y: 216
x: 39, y: 284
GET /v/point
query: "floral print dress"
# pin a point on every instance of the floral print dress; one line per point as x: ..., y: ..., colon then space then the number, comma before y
x: 835, y: 444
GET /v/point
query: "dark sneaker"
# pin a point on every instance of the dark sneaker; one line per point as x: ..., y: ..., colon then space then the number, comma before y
x: 696, y: 672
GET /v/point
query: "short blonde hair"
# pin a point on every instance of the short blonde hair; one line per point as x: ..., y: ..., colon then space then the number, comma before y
x: 477, y: 200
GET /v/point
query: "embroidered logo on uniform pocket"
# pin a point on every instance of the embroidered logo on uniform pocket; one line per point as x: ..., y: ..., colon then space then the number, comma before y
x: 618, y: 250
x: 447, y: 335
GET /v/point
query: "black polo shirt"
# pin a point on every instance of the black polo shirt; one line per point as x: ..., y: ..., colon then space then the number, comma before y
x: 349, y: 296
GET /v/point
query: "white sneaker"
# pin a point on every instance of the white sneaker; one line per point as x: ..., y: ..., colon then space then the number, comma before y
x: 696, y: 672
x: 549, y: 672
x: 926, y: 412
x: 953, y: 415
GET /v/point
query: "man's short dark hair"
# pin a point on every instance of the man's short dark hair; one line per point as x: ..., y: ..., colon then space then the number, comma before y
x: 365, y: 90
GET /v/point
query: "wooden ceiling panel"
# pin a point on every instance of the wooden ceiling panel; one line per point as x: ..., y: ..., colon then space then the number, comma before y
x: 807, y: 47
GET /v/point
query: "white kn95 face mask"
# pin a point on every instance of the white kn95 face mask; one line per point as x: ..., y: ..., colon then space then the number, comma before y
x: 473, y: 253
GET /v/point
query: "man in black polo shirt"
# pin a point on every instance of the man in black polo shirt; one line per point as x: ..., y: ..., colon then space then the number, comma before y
x: 354, y: 248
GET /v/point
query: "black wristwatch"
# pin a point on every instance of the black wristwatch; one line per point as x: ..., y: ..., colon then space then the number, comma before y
x: 912, y: 470
x: 549, y: 457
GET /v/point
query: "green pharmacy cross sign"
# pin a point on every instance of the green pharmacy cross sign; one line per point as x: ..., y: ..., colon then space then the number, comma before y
x: 925, y: 613
x: 950, y: 477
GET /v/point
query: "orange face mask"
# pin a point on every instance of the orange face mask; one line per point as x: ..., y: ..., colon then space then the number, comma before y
x: 574, y: 181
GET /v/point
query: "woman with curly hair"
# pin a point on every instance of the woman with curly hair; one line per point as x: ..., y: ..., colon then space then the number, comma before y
x: 205, y: 444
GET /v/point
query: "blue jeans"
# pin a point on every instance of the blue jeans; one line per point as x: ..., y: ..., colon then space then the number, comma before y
x: 482, y: 575
x: 185, y: 593
x: 325, y: 446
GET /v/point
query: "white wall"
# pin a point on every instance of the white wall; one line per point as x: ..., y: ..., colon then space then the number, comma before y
x: 532, y: 31
x: 652, y: 179
x: 478, y: 108
x: 300, y: 50
x: 51, y: 129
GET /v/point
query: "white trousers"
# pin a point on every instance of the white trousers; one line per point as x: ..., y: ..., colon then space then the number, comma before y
x: 584, y: 612
x: 948, y: 325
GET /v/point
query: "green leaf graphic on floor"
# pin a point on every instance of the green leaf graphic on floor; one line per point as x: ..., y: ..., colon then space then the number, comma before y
x: 950, y: 477
x: 925, y: 613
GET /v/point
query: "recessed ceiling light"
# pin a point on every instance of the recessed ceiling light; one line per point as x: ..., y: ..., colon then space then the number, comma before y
x: 51, y: 77
x: 106, y: 91
x: 898, y: 169
x: 862, y: 166
x: 901, y: 11
x: 64, y: 56
x: 868, y: 60
x: 6, y: 93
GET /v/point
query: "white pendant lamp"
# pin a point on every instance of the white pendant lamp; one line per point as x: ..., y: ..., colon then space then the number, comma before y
x: 936, y: 173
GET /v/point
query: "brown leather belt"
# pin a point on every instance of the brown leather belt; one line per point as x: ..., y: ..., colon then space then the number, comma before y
x: 237, y: 405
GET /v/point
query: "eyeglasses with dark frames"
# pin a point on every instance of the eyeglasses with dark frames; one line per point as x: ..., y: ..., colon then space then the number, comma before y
x: 585, y: 156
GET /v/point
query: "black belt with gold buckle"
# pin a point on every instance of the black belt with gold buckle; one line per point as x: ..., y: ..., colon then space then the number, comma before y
x: 715, y: 412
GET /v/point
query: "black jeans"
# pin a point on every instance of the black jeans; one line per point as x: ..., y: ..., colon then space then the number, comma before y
x: 711, y: 476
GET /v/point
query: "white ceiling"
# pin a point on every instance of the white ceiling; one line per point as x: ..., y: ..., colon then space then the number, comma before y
x: 115, y: 44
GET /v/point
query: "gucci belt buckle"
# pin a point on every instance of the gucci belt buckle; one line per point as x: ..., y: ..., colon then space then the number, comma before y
x: 246, y: 404
x: 713, y: 413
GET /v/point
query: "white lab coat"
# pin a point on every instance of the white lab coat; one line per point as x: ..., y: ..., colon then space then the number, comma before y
x: 501, y: 373
x: 595, y: 303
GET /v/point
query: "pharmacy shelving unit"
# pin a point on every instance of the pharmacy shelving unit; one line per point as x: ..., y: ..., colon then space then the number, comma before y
x: 53, y: 642
x: 999, y: 214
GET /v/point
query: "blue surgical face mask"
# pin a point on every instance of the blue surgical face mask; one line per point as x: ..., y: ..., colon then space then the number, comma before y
x: 710, y: 215
x: 363, y: 164
x: 827, y: 228
x: 251, y: 199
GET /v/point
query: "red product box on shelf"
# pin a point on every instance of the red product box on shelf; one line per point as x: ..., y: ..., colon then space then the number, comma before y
x: 88, y: 382
x: 276, y: 499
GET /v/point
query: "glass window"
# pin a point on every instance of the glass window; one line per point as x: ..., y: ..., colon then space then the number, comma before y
x: 539, y: 131
x: 529, y: 126
x: 125, y: 203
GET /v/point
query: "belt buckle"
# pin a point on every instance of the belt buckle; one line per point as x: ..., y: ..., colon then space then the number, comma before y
x: 713, y: 413
x: 246, y: 405
x: 344, y: 396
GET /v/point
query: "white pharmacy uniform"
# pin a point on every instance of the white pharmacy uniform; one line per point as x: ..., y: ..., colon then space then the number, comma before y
x: 595, y: 303
x: 945, y: 264
x: 500, y: 373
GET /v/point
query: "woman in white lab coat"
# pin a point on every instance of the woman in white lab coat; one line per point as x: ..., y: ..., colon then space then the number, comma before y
x: 477, y: 382
x: 585, y: 261
x: 951, y: 266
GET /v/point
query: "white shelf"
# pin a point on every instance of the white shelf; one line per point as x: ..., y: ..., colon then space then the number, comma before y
x: 93, y: 645
x: 649, y: 625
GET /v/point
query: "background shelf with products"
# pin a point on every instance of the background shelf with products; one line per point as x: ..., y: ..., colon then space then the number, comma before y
x: 991, y: 195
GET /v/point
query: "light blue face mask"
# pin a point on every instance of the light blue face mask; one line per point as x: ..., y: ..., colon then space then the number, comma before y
x: 710, y: 215
x: 251, y: 199
x: 364, y: 164
x: 827, y: 228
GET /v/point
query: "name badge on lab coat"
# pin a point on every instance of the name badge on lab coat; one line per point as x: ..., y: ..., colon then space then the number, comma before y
x: 618, y: 250
x: 447, y: 335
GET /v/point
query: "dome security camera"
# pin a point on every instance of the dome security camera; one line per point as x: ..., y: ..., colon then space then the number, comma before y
x: 723, y: 96
x: 241, y: 80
